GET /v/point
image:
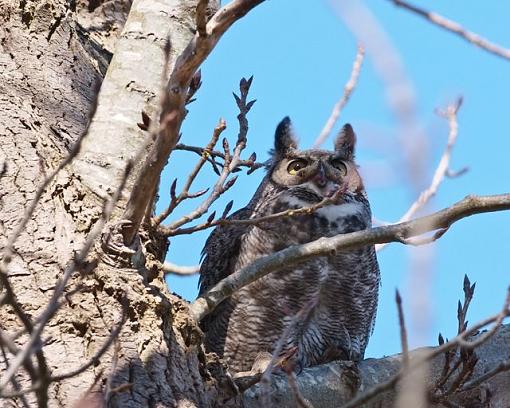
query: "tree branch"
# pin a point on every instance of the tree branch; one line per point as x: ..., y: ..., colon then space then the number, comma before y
x: 331, y: 384
x: 348, y: 88
x: 326, y: 246
x: 231, y: 163
x: 455, y: 28
x: 173, y: 110
x: 442, y: 169
x: 169, y: 267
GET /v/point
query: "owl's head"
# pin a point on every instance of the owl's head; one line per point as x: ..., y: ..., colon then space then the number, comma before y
x: 321, y: 172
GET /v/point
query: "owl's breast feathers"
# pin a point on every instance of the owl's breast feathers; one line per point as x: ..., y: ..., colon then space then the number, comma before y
x: 253, y: 319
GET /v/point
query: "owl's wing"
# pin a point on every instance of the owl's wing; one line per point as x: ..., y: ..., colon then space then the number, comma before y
x: 221, y: 251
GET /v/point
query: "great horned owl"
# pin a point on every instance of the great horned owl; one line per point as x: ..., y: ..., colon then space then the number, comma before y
x: 345, y: 284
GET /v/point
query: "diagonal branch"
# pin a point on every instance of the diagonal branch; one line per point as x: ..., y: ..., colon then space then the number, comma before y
x: 348, y: 88
x: 442, y: 169
x: 455, y: 28
x: 326, y: 246
x: 173, y: 110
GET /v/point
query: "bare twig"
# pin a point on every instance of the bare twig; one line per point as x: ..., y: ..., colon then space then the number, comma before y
x: 501, y: 367
x: 169, y: 267
x: 455, y: 28
x: 250, y: 163
x: 173, y: 110
x: 15, y: 384
x: 301, y: 402
x: 231, y: 163
x: 466, y: 357
x: 453, y: 343
x: 399, y: 89
x: 7, y: 252
x: 293, y: 212
x: 113, y: 371
x: 403, y: 331
x: 185, y: 194
x: 75, y: 149
x: 54, y: 303
x: 441, y: 170
x: 348, y: 88
x: 326, y: 246
x: 470, y: 345
x: 299, y: 317
x: 469, y: 291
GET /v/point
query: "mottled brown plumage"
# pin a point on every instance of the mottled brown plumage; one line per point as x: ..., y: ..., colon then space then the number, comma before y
x: 344, y: 284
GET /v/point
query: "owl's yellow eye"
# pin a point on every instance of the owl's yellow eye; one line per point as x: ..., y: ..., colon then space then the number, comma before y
x: 339, y: 165
x: 296, y: 165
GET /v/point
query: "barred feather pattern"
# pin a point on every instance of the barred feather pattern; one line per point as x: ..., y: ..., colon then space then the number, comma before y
x: 344, y: 284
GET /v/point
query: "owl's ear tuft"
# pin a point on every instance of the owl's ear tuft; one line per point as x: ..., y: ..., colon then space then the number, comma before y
x: 345, y: 142
x: 284, y: 139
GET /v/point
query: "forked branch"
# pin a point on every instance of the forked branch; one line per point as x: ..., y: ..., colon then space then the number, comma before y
x: 173, y: 109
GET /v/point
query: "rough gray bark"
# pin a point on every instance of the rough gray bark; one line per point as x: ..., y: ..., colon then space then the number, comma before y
x: 52, y: 53
x: 333, y: 384
x: 48, y: 67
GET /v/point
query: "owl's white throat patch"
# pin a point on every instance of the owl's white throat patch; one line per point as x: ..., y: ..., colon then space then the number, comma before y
x: 334, y: 213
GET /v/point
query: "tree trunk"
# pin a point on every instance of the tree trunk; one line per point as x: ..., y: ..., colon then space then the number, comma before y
x: 53, y: 52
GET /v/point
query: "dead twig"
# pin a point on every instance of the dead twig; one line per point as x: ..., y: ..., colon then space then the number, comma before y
x: 251, y: 163
x: 301, y: 402
x: 54, y: 303
x: 169, y: 267
x: 466, y: 357
x: 348, y: 89
x: 501, y: 367
x: 419, y: 361
x: 185, y: 194
x: 173, y: 111
x: 455, y: 28
x: 441, y: 171
x: 403, y: 331
x: 299, y: 317
x: 231, y: 162
x: 334, y: 199
x: 10, y: 297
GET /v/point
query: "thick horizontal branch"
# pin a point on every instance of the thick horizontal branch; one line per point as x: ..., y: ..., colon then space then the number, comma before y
x: 327, y: 246
x: 333, y: 384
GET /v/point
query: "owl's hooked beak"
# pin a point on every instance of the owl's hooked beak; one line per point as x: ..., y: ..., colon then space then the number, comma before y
x: 320, y: 178
x: 327, y: 187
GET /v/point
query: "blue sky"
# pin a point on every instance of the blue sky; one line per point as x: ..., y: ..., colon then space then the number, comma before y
x: 301, y: 56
